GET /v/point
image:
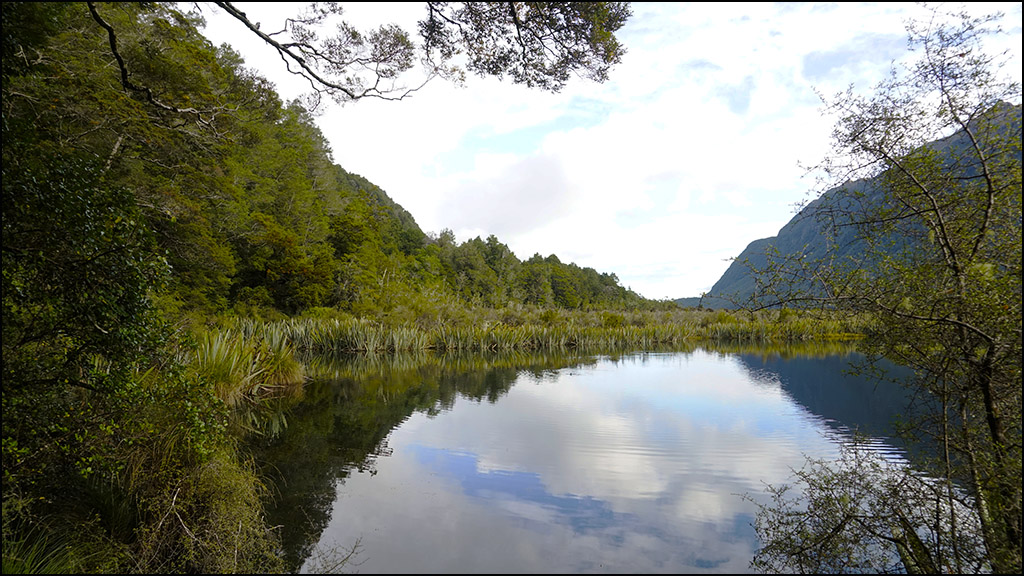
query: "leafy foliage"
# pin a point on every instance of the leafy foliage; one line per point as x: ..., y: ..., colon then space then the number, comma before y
x: 150, y: 181
x: 539, y: 44
x: 864, y: 514
x: 938, y: 268
x: 536, y: 43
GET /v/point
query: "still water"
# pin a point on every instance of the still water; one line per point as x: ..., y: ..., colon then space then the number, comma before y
x: 603, y: 463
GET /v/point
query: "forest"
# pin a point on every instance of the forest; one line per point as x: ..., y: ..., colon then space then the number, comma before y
x: 155, y: 191
x: 176, y: 237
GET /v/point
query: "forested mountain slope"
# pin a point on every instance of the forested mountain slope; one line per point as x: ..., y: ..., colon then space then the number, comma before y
x: 157, y: 194
x: 236, y: 190
x: 821, y: 234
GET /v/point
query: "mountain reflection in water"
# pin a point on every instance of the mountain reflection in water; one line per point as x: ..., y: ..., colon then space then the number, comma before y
x: 555, y: 463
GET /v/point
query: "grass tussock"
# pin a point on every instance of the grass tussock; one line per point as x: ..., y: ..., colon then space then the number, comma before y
x: 533, y: 329
x: 241, y: 365
x: 45, y: 552
x: 207, y: 522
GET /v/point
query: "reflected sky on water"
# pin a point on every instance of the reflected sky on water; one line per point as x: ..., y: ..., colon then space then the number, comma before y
x: 635, y: 463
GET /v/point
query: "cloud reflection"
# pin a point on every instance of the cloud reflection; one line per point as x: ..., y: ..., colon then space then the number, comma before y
x: 634, y: 464
x: 521, y: 494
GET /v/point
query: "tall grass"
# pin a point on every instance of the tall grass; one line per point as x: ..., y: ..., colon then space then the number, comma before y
x: 247, y: 359
x: 241, y: 365
x: 565, y: 330
x: 39, y: 554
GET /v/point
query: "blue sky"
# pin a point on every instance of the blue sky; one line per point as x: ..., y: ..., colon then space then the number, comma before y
x: 691, y: 150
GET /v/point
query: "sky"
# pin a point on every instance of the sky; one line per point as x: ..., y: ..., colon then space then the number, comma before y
x: 696, y: 145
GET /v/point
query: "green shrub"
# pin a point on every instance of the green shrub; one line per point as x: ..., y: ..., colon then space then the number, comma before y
x: 612, y: 320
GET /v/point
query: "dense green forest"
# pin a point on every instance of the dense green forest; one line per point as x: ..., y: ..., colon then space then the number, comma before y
x: 153, y: 188
x: 178, y: 242
x: 233, y: 188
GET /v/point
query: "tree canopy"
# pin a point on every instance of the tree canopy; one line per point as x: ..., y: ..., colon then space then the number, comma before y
x: 539, y: 44
x: 151, y: 180
x: 934, y: 156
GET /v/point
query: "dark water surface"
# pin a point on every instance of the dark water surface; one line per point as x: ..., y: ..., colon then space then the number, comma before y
x: 606, y: 463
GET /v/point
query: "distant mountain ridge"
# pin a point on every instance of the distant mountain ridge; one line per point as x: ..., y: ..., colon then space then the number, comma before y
x: 803, y: 234
x: 807, y: 236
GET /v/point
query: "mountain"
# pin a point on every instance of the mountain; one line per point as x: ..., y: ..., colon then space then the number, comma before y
x: 806, y: 234
x: 815, y: 234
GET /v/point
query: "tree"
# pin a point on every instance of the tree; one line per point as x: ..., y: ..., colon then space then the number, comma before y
x: 933, y: 200
x: 147, y: 175
x: 539, y: 44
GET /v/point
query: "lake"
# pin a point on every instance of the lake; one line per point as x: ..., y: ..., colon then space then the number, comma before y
x: 580, y: 463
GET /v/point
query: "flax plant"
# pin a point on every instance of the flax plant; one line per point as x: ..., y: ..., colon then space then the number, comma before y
x: 240, y: 365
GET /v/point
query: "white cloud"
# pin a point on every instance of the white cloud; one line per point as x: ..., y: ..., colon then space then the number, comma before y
x: 589, y: 435
x: 688, y: 153
x: 521, y: 194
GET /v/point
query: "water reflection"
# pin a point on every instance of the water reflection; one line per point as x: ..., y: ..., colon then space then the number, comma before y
x: 341, y: 424
x: 836, y: 388
x: 628, y: 463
